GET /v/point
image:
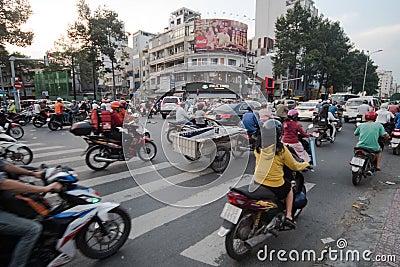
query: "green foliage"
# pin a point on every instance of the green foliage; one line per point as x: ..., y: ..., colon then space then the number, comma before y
x: 13, y: 14
x: 320, y: 49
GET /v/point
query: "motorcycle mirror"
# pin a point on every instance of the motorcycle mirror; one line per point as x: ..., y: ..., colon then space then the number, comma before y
x: 310, y: 126
x: 43, y: 166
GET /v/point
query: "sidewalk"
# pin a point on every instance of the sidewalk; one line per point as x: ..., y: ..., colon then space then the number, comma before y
x: 372, y: 225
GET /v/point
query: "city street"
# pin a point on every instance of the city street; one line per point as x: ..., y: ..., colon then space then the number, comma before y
x: 165, y: 235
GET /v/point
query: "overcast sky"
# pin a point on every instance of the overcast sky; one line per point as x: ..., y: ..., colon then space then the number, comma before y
x: 370, y: 24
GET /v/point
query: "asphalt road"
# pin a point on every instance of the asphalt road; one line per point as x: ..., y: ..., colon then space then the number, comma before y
x: 172, y: 235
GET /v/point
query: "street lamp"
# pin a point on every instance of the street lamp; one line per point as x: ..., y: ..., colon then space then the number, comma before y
x: 366, y: 65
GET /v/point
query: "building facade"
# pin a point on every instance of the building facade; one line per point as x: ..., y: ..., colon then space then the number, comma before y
x: 195, y: 50
x: 385, y: 83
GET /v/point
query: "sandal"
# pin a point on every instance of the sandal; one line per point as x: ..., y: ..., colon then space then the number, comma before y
x: 289, y: 222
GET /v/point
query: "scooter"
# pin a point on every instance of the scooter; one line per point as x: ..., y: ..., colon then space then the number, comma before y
x: 321, y: 134
x: 41, y: 119
x: 58, y: 121
x: 251, y: 218
x: 14, y: 152
x: 395, y: 142
x: 80, y: 221
x: 363, y: 164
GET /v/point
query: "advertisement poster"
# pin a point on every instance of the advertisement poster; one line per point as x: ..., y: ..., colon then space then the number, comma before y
x: 220, y: 35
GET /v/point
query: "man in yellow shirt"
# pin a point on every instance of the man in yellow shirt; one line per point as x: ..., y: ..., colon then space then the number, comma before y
x: 270, y: 174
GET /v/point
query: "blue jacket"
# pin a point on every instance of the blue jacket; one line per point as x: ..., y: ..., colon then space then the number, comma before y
x: 250, y: 122
x: 397, y: 120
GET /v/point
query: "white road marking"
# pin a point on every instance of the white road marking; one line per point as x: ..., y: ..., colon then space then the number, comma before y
x: 56, y: 153
x: 45, y: 148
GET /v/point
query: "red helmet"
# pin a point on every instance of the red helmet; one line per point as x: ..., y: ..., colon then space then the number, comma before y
x: 115, y: 104
x: 371, y: 116
x: 123, y: 103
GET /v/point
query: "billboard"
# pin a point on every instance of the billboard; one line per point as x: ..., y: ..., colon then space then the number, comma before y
x: 220, y: 35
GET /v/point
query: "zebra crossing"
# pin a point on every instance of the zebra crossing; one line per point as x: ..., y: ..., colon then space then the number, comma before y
x: 119, y: 186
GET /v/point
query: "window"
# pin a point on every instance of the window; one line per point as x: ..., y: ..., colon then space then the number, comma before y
x: 178, y: 21
x: 204, y: 61
x: 231, y: 62
x: 194, y: 62
x: 259, y: 43
x: 214, y: 61
x: 265, y: 42
x: 222, y: 61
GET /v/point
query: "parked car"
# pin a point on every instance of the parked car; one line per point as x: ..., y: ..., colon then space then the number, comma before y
x: 306, y: 109
x: 231, y: 114
x: 168, y: 104
x: 350, y: 109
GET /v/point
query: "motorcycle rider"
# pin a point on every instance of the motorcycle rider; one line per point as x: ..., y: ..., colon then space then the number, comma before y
x: 11, y: 109
x: 326, y: 118
x: 385, y: 118
x: 282, y: 110
x: 397, y: 120
x: 250, y: 122
x: 291, y: 131
x: 369, y: 133
x: 271, y: 175
x: 95, y: 105
x: 115, y: 121
x: 363, y: 109
x: 199, y: 115
x: 182, y: 116
x: 59, y: 108
x: 27, y: 230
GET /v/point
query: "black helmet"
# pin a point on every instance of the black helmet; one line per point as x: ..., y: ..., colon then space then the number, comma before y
x: 271, y: 131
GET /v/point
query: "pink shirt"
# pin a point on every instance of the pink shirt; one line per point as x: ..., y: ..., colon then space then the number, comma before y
x: 291, y: 129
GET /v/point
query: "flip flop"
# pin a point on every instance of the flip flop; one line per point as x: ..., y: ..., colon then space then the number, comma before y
x: 290, y: 222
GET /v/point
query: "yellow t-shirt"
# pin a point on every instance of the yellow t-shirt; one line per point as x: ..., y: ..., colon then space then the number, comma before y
x: 269, y: 167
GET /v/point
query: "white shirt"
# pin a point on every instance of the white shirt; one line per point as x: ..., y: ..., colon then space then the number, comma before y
x: 95, y: 106
x: 384, y: 116
x: 36, y: 108
x: 199, y: 116
x: 363, y: 109
x: 181, y: 115
x: 108, y: 107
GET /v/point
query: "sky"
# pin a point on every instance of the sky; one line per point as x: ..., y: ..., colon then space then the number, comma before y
x: 370, y: 24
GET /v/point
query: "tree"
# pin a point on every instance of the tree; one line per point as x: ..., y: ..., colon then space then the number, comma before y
x: 13, y: 14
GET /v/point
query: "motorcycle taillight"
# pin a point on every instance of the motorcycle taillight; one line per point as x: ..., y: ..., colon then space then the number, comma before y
x: 236, y: 199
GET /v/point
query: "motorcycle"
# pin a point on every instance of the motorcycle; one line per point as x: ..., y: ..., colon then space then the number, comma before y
x: 22, y: 118
x: 14, y: 152
x: 40, y: 119
x: 80, y: 221
x: 339, y: 124
x: 177, y: 127
x: 363, y: 164
x: 13, y: 129
x: 321, y: 134
x: 250, y: 218
x: 102, y: 150
x: 58, y: 121
x: 395, y: 141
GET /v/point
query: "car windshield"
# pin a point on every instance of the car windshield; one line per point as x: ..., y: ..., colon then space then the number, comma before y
x: 354, y: 103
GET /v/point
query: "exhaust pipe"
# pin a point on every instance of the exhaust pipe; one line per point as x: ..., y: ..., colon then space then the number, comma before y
x: 258, y: 239
x: 101, y: 159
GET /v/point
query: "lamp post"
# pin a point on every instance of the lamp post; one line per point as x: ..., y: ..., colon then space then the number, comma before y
x: 366, y: 65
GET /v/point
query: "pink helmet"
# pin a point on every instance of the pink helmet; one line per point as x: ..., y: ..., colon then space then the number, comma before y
x: 293, y: 114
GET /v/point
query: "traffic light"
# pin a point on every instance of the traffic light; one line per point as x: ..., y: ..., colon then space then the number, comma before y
x: 269, y: 82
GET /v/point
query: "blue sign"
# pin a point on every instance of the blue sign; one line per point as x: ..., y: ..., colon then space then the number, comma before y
x: 14, y: 90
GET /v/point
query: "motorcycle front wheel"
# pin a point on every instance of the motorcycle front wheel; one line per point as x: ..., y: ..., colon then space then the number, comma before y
x: 16, y: 132
x: 95, y: 244
x: 92, y: 153
x: 221, y: 160
x: 318, y: 141
x: 147, y: 151
x: 234, y: 240
x: 169, y: 134
x: 23, y: 156
x: 37, y: 123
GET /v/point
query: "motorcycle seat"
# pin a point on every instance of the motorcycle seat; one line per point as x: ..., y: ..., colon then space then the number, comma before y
x: 261, y: 192
x: 366, y: 150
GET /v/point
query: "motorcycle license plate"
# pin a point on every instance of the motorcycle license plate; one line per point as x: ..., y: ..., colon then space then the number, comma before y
x: 231, y: 213
x: 357, y: 161
x: 315, y: 134
x: 48, y: 119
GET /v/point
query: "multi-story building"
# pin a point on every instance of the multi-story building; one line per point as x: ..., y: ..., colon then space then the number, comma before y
x: 192, y: 49
x: 385, y: 83
x: 140, y: 48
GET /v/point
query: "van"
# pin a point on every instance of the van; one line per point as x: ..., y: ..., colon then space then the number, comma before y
x: 168, y: 104
x: 350, y: 109
x: 341, y: 98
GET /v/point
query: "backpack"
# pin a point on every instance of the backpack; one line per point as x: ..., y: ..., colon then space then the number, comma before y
x: 27, y: 205
x: 101, y: 120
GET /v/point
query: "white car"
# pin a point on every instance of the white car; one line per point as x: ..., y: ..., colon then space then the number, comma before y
x: 351, y: 106
x: 306, y: 109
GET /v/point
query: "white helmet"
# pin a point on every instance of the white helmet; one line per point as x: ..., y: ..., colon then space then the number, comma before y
x: 59, y: 99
